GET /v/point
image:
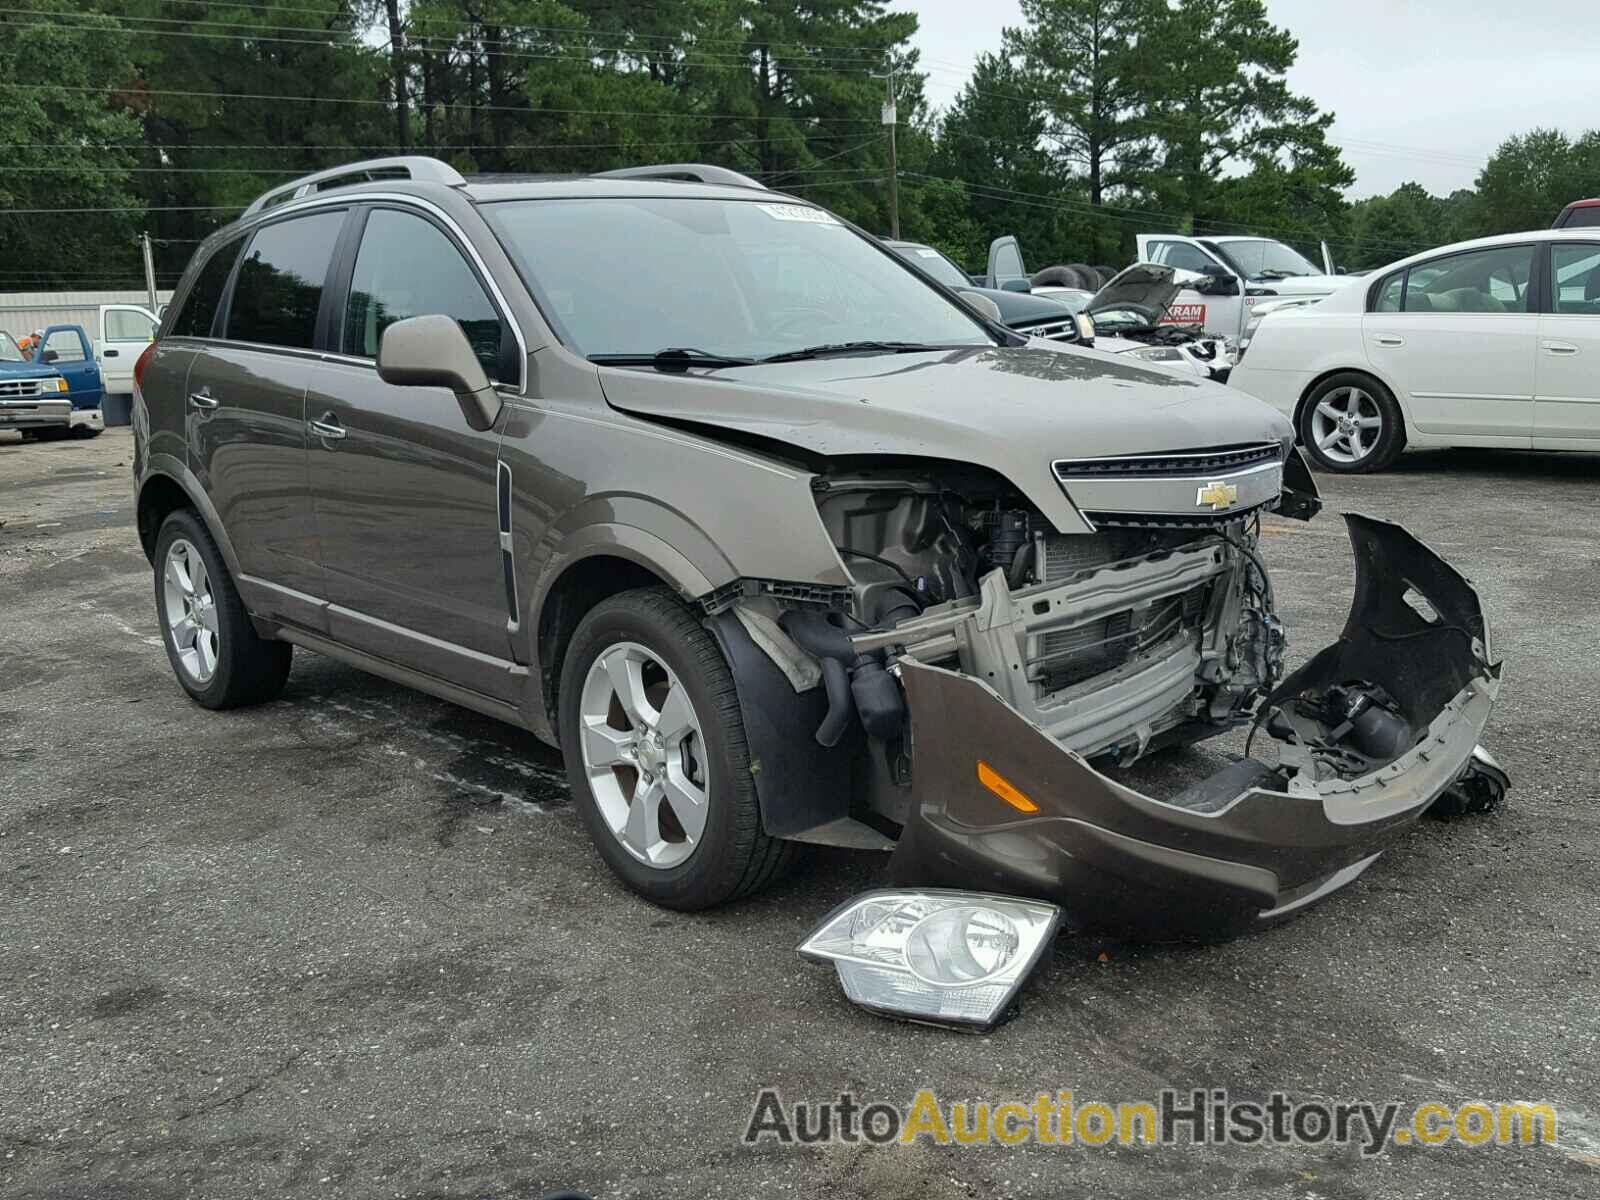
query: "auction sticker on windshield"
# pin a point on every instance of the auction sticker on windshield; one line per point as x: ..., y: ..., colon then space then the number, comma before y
x: 1185, y: 314
x: 799, y: 212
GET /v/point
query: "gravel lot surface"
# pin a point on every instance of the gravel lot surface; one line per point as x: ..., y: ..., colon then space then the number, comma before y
x: 355, y: 942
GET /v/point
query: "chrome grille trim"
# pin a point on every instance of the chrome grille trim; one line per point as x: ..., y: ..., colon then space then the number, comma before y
x: 1215, y: 461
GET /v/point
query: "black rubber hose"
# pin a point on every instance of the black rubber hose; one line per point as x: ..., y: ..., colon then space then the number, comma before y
x: 841, y: 705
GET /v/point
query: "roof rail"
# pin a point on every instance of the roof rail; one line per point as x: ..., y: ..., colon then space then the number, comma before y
x: 410, y: 166
x: 689, y: 172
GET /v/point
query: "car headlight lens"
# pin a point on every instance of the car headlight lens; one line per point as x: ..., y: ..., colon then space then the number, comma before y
x: 946, y: 957
x: 1163, y: 354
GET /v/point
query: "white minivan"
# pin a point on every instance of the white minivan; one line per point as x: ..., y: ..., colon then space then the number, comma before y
x: 1494, y: 342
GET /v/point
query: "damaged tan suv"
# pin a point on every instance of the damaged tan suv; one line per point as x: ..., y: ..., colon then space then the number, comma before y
x: 780, y: 541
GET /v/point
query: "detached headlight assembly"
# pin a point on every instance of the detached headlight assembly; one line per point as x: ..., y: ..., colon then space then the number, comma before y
x: 1085, y: 326
x: 940, y: 957
x: 1161, y: 354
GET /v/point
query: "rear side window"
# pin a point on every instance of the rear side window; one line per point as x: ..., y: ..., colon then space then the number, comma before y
x: 1388, y: 297
x: 407, y: 267
x: 1479, y: 281
x: 199, y: 309
x: 279, y: 288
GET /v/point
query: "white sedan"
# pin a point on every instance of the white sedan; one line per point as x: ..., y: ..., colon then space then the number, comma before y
x: 1494, y: 342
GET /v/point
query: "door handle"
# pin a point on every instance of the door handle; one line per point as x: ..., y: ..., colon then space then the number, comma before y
x: 203, y: 399
x: 108, y: 354
x: 1389, y: 339
x: 327, y: 427
x: 1563, y: 348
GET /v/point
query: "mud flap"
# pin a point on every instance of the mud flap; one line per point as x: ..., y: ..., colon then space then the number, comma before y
x: 1127, y: 864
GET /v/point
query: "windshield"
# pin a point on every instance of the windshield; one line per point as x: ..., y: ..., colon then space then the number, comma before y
x: 1260, y: 258
x: 738, y: 278
x: 935, y: 264
x: 8, y: 349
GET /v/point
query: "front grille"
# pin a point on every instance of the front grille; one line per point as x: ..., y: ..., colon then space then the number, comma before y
x: 1134, y: 520
x: 1216, y: 461
x: 1056, y: 331
x: 21, y: 389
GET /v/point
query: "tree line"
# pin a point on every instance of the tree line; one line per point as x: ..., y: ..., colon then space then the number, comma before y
x: 1094, y: 121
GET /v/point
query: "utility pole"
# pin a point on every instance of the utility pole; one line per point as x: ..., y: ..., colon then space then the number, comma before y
x: 149, y: 269
x: 894, y: 167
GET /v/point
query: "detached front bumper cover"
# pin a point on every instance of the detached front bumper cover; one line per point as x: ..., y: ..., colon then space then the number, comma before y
x: 1235, y: 851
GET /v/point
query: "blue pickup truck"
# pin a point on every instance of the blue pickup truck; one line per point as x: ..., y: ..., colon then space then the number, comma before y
x: 53, y: 391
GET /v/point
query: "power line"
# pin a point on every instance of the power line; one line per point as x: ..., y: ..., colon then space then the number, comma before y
x: 373, y: 102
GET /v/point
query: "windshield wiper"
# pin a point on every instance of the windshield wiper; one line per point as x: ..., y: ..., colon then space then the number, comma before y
x: 830, y: 348
x: 1275, y: 273
x: 673, y: 358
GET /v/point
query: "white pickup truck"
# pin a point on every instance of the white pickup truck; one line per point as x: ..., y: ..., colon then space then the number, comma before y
x: 124, y: 331
x: 1249, y: 276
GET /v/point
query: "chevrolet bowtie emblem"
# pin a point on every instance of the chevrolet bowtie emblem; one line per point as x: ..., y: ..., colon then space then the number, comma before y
x: 1216, y: 495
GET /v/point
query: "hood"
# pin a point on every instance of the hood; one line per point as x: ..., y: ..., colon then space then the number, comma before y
x: 1021, y: 308
x: 1010, y: 409
x: 1143, y: 287
x: 27, y: 370
x: 1304, y: 285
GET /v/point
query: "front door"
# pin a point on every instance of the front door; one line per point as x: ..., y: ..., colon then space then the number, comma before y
x: 67, y: 350
x: 245, y: 405
x: 1566, y: 408
x: 403, y: 488
x: 125, y: 331
x: 1456, y: 334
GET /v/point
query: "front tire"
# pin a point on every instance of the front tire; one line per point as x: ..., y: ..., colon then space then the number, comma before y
x: 1350, y: 424
x: 657, y: 758
x: 214, y: 650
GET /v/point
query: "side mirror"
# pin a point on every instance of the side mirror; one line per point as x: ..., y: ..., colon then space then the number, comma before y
x: 432, y: 351
x: 1016, y: 285
x: 49, y: 356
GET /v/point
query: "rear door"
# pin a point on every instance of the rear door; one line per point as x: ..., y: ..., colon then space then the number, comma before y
x: 125, y: 330
x: 246, y: 411
x: 1456, y: 334
x: 404, y: 490
x: 1566, y: 409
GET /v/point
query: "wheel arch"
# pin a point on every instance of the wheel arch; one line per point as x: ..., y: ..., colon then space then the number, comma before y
x: 169, y: 485
x: 599, y: 562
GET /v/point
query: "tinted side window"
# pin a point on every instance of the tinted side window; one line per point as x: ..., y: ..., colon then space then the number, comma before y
x: 1587, y: 217
x: 1481, y: 281
x: 199, y: 309
x: 279, y: 287
x: 407, y: 267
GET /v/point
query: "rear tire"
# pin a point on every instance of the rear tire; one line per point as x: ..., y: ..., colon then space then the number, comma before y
x: 214, y: 650
x: 1350, y: 424
x: 662, y: 774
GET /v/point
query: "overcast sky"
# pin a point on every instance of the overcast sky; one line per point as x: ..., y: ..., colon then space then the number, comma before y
x: 1422, y: 90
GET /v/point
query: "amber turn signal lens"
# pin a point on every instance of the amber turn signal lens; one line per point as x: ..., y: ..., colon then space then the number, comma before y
x: 1000, y: 786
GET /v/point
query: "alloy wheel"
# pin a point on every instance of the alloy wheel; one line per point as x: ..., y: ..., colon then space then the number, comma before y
x: 643, y: 755
x: 191, y: 611
x: 1347, y: 424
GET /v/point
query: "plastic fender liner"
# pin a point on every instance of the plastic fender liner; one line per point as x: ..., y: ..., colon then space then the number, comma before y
x: 799, y: 784
x: 1121, y: 862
